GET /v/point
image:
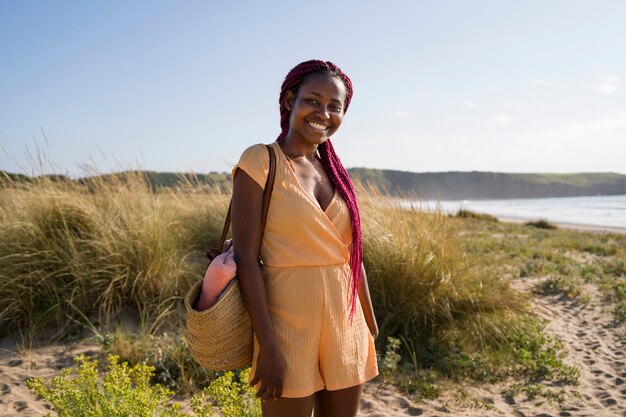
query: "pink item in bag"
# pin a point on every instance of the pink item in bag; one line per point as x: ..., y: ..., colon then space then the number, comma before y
x: 219, y: 273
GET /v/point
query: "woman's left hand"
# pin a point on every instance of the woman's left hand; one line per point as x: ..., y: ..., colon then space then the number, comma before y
x: 373, y: 329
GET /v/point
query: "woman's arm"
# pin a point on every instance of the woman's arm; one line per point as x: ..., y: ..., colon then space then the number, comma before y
x: 366, y: 304
x: 247, y: 204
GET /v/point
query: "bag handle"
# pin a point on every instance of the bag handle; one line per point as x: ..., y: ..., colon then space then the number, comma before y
x: 267, y: 195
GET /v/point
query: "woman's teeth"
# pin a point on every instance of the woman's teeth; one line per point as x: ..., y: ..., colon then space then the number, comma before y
x: 317, y: 126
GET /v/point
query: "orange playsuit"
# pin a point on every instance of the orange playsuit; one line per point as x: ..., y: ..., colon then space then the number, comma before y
x: 305, y: 251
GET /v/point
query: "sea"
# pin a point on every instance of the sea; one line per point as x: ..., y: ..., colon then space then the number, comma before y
x: 607, y: 211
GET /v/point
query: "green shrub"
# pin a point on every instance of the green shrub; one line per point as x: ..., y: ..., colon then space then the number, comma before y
x: 541, y: 224
x: 539, y: 356
x: 233, y: 398
x: 389, y: 364
x: 614, y: 267
x: 127, y: 391
x: 569, y: 287
x: 167, y: 353
x: 467, y: 214
x: 527, y: 353
x: 123, y: 391
x: 536, y: 390
x: 619, y: 312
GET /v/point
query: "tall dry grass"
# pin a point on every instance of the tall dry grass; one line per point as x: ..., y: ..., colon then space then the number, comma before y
x: 74, y: 252
x: 424, y: 287
x: 81, y: 252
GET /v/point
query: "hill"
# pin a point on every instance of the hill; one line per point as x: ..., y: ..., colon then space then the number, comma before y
x: 492, y: 185
x: 214, y: 180
x: 453, y: 185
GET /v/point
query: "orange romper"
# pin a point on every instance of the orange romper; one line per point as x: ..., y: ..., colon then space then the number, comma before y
x: 307, y: 275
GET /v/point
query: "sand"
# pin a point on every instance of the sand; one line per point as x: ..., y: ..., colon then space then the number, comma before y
x: 572, y: 226
x: 18, y: 363
x: 592, y: 342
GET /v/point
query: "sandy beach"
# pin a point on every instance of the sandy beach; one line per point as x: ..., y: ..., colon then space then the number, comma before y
x: 588, y: 334
x: 571, y: 226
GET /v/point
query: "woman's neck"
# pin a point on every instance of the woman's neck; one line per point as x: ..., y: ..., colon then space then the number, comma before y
x: 296, y: 149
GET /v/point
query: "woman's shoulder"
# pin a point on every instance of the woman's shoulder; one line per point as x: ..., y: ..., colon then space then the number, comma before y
x: 256, y: 152
x: 255, y: 161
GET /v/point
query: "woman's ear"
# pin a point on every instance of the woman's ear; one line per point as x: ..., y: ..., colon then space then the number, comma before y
x: 289, y: 98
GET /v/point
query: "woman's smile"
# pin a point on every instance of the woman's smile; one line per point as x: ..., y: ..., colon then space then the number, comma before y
x: 318, y: 126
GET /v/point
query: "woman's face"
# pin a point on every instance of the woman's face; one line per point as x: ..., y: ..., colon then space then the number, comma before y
x: 317, y: 109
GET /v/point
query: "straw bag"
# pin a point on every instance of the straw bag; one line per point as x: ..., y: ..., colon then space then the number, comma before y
x: 220, y: 338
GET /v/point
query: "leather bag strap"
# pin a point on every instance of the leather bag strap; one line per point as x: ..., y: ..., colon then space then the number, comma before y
x: 267, y: 195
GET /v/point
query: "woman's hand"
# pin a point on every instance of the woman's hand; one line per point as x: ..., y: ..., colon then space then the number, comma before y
x: 373, y: 329
x: 270, y: 372
x: 366, y: 304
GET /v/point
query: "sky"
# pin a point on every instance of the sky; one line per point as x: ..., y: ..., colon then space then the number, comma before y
x: 186, y: 86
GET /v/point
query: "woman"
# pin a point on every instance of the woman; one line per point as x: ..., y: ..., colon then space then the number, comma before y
x: 313, y: 321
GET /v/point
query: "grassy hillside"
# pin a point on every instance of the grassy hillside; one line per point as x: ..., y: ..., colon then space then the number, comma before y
x: 433, y: 185
x: 492, y: 185
x: 213, y: 181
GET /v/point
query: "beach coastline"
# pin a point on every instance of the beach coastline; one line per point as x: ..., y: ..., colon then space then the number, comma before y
x: 593, y: 228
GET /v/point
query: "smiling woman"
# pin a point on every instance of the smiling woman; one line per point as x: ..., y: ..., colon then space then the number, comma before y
x: 314, y: 326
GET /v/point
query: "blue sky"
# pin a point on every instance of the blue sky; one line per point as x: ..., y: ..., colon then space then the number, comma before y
x: 509, y: 86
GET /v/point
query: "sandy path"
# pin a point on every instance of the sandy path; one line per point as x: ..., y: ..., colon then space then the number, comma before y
x: 17, y: 365
x: 592, y: 343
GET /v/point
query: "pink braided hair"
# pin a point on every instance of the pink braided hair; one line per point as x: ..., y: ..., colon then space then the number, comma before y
x: 330, y: 160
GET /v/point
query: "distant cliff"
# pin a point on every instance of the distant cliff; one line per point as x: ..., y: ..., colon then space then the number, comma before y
x: 492, y: 185
x: 213, y: 180
x: 434, y: 185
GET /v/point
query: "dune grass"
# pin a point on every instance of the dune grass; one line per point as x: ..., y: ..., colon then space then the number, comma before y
x: 85, y: 254
x: 567, y: 260
x: 72, y: 253
x: 423, y: 283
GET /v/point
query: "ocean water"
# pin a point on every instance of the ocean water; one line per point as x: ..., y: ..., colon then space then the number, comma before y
x: 609, y: 211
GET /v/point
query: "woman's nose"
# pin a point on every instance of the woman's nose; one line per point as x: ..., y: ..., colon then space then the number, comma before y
x: 323, y: 113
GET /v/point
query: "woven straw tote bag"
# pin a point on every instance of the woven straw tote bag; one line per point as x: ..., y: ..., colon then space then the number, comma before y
x: 220, y: 338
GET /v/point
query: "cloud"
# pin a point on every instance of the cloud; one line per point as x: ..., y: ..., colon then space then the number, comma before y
x: 470, y: 104
x: 606, y: 88
x: 501, y: 119
x: 402, y: 114
x: 610, y: 84
x: 605, y: 133
x: 537, y: 82
x: 611, y: 78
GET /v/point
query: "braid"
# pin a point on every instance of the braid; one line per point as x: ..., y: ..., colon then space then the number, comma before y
x: 330, y: 160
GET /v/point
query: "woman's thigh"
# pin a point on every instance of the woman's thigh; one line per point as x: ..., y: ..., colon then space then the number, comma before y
x: 340, y: 403
x: 288, y: 407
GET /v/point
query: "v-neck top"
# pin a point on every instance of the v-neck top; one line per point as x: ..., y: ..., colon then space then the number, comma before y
x: 293, y: 170
x: 307, y: 277
x: 298, y: 232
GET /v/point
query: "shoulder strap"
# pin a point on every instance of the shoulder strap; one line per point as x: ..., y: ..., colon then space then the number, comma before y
x: 267, y: 195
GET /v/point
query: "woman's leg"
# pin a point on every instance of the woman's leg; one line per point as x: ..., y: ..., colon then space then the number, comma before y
x: 288, y: 407
x: 340, y: 403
